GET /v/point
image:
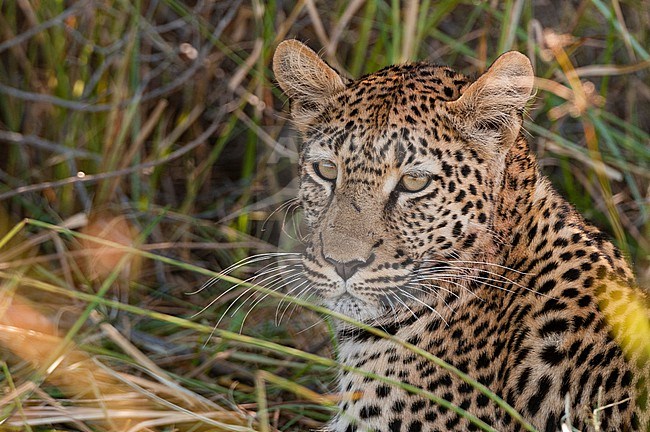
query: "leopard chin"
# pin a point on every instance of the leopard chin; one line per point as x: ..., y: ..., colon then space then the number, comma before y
x: 354, y: 307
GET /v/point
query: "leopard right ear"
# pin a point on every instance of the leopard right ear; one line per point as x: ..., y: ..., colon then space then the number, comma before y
x: 489, y: 109
x: 305, y: 78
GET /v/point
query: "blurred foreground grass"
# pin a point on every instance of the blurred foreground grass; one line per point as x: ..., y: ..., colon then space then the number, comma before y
x: 155, y: 127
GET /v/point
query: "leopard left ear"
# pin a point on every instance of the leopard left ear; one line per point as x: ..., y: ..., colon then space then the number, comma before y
x: 491, y: 106
x: 309, y: 82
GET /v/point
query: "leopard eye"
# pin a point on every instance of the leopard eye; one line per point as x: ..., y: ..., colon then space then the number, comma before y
x: 411, y: 183
x: 326, y: 170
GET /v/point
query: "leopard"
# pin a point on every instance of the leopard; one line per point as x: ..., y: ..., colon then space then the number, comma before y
x: 431, y: 227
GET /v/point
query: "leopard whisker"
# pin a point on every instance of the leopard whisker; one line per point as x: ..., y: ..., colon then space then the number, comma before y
x: 274, y: 286
x: 423, y: 289
x: 453, y: 278
x: 479, y: 279
x: 292, y: 208
x: 286, y: 204
x: 249, y: 260
x: 385, y: 302
x: 392, y: 306
x: 296, y: 226
x: 282, y: 300
x: 377, y: 322
x: 471, y: 269
x: 439, y: 287
x: 214, y: 329
x: 295, y: 305
x: 432, y: 309
x: 243, y: 262
x: 482, y: 278
x: 248, y: 280
x: 417, y: 318
x: 317, y: 322
x: 261, y: 299
x: 247, y: 290
x: 466, y: 273
x: 256, y: 258
x: 478, y: 263
x: 498, y: 238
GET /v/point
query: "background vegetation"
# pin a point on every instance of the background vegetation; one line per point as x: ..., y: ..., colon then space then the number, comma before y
x: 148, y: 146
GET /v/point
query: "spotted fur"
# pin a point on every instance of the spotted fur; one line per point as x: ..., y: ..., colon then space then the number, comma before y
x: 486, y: 267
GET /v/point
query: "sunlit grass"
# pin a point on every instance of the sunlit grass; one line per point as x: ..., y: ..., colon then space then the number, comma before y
x: 59, y: 351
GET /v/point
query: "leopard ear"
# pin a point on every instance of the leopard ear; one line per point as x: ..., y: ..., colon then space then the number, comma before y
x: 305, y: 78
x: 489, y: 109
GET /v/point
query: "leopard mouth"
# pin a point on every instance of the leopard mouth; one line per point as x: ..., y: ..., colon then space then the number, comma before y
x: 345, y: 299
x: 353, y: 307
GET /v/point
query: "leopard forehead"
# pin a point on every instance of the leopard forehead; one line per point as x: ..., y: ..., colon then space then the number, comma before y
x: 393, y: 117
x: 395, y: 97
x: 403, y: 86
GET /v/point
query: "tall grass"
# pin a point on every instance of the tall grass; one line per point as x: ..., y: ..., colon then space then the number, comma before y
x: 148, y: 146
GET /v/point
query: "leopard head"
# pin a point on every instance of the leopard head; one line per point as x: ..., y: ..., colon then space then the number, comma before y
x: 398, y: 172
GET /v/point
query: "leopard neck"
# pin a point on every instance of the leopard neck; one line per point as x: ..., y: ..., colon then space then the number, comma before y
x: 519, y: 188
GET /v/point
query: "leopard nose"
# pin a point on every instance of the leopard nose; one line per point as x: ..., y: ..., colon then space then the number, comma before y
x: 348, y: 268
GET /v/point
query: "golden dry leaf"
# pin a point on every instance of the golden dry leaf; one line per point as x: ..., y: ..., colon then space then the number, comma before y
x: 102, y: 259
